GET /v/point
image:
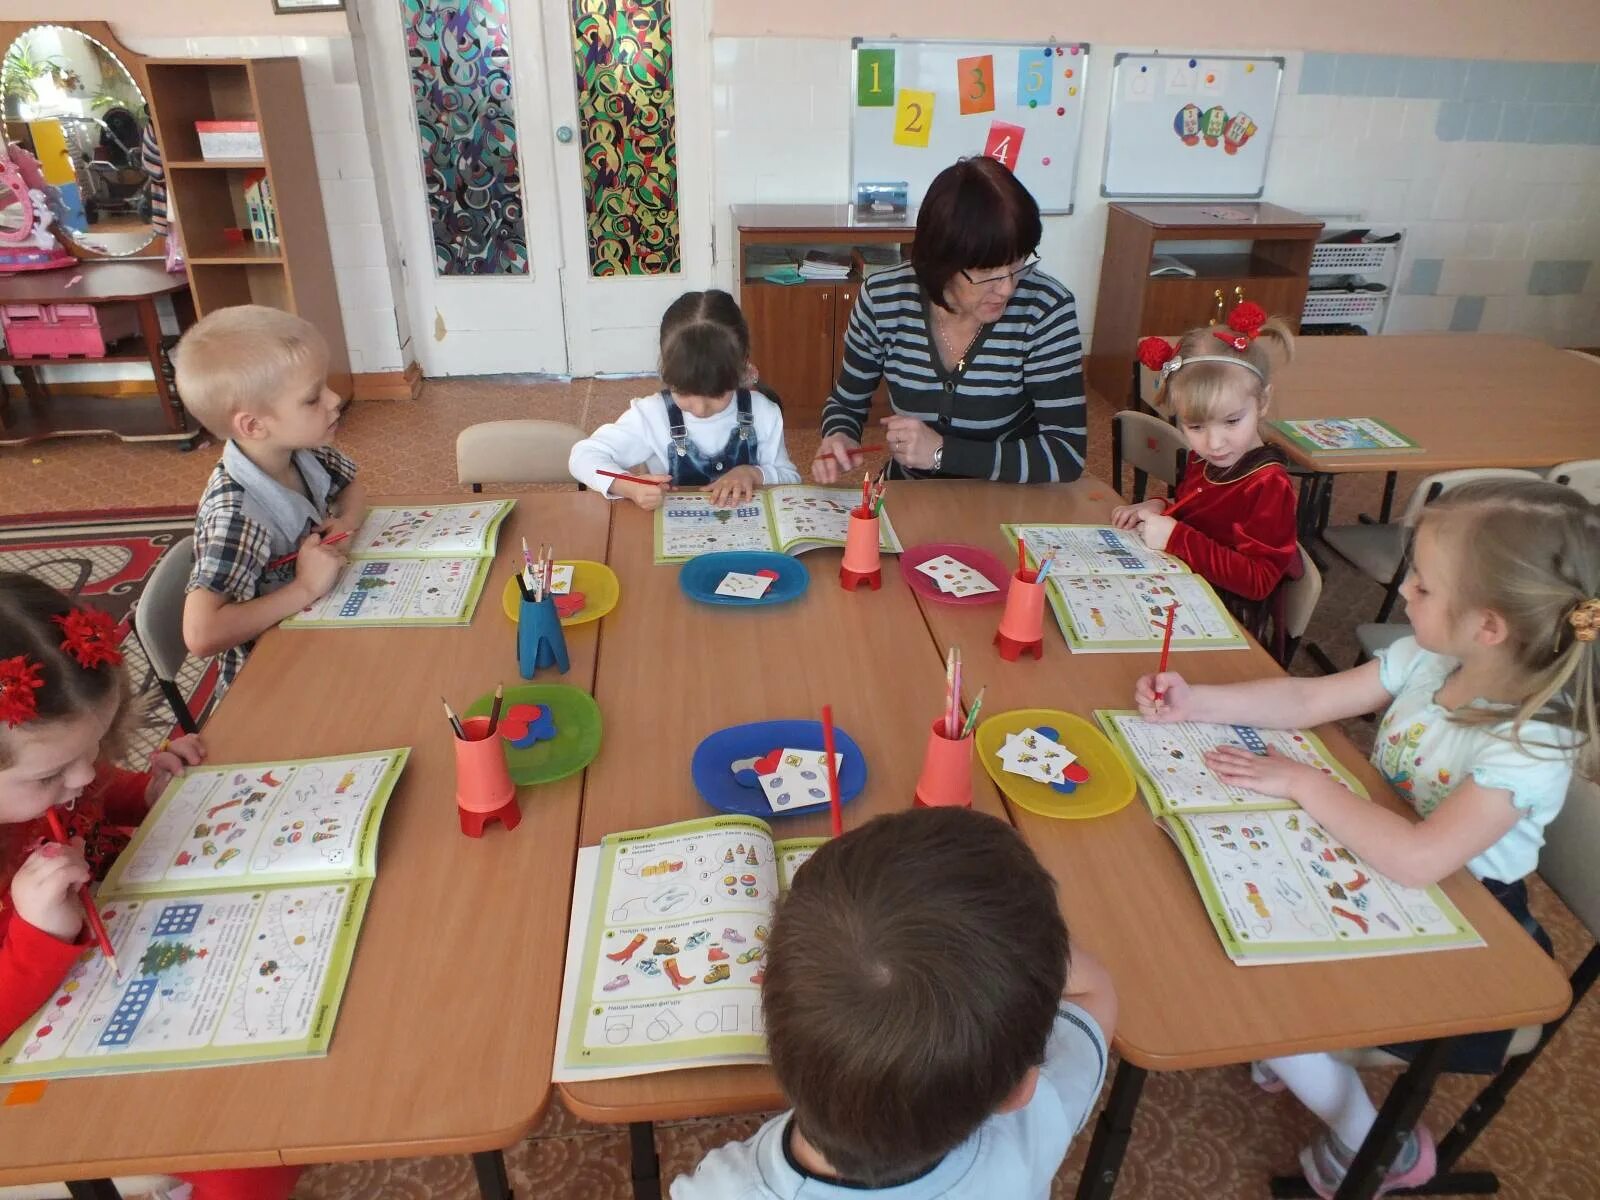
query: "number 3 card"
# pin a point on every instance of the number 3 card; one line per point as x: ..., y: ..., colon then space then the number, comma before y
x: 975, y: 83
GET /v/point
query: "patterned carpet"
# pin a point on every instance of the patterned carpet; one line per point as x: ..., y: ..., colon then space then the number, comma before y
x: 1206, y: 1135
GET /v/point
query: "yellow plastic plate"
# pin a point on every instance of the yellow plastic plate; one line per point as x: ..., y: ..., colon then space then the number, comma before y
x: 596, y: 581
x: 1110, y: 785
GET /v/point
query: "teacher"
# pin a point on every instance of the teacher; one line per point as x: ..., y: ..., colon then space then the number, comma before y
x: 980, y: 348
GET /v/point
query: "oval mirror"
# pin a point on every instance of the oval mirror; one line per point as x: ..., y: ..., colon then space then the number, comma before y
x: 71, y: 103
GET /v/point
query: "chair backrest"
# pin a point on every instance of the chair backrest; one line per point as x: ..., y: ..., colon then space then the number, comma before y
x: 1571, y: 849
x: 1437, y: 484
x: 1300, y: 596
x: 524, y: 451
x: 1151, y: 445
x: 158, y: 617
x: 1582, y: 475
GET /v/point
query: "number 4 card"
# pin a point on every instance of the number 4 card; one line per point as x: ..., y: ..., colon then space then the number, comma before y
x: 913, y: 118
x: 1005, y: 143
x: 975, y: 81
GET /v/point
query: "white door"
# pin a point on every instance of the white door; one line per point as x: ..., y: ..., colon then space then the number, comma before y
x: 556, y: 319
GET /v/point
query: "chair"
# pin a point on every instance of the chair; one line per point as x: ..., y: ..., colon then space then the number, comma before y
x: 1583, y: 476
x: 1380, y: 552
x: 155, y: 1186
x: 158, y: 622
x: 1152, y: 447
x: 1300, y: 598
x: 524, y: 451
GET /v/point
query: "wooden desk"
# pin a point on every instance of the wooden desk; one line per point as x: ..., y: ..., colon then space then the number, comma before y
x: 107, y: 281
x: 447, y: 1030
x: 1128, y: 896
x: 674, y: 671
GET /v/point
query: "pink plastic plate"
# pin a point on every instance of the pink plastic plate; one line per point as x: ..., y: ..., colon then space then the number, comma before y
x: 979, y: 559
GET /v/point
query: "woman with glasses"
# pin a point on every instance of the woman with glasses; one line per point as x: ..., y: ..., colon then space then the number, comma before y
x: 980, y: 348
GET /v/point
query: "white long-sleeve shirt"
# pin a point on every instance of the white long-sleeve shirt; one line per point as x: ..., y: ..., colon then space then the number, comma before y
x: 643, y: 435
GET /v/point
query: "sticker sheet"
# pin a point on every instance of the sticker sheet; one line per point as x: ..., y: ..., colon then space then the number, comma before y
x: 1093, y: 550
x: 443, y: 530
x: 400, y: 591
x: 1108, y: 613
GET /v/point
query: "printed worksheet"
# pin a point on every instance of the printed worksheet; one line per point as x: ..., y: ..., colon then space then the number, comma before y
x: 441, y: 530
x: 1093, y: 550
x: 788, y: 519
x: 400, y: 591
x: 1109, y: 613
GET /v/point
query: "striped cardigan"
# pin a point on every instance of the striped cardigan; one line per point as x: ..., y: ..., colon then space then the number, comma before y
x: 1015, y: 414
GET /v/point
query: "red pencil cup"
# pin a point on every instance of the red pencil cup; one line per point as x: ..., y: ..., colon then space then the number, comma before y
x: 484, y: 791
x: 1022, y: 623
x: 946, y: 779
x: 862, y: 563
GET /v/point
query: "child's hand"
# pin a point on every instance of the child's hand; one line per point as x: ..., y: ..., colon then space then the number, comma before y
x: 734, y: 488
x: 1155, y: 530
x: 317, y: 567
x: 647, y: 497
x: 44, y: 889
x: 834, y: 457
x: 1175, y: 697
x: 1126, y: 516
x: 179, y: 753
x: 1271, y: 774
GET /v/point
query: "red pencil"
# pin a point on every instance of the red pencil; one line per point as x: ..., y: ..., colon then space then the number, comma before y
x: 833, y: 771
x: 289, y: 558
x: 629, y: 478
x: 850, y: 450
x: 1166, y: 641
x: 1022, y: 557
x: 89, y: 910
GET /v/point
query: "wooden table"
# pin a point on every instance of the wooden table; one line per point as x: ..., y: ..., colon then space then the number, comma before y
x: 106, y: 281
x: 673, y: 671
x: 1128, y: 896
x: 447, y: 1029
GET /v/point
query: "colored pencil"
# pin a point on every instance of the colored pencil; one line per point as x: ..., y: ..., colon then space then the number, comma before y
x: 972, y: 713
x: 90, y: 912
x: 626, y: 478
x: 853, y: 450
x: 1044, y: 566
x: 289, y: 558
x: 455, y: 721
x: 494, y: 712
x: 953, y: 721
x: 1166, y: 641
x: 1022, y: 557
x: 834, y: 814
x: 949, y: 690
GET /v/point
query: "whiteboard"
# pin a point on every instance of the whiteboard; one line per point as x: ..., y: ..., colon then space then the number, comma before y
x: 1190, y: 125
x: 1036, y: 87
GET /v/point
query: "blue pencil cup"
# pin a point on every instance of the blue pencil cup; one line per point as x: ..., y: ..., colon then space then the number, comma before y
x: 540, y: 641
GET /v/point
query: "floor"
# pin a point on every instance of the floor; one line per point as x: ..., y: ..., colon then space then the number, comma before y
x: 1199, y: 1135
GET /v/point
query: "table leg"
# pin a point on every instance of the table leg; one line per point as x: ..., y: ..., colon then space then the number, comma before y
x: 490, y: 1168
x: 160, y: 364
x: 1398, y: 1116
x: 646, y: 1167
x: 1307, y: 507
x: 1111, y: 1133
x: 93, y: 1189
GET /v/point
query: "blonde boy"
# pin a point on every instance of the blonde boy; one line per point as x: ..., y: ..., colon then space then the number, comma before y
x: 257, y: 379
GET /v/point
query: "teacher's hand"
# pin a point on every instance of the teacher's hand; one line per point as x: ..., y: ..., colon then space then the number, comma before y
x: 912, y: 442
x: 834, y: 456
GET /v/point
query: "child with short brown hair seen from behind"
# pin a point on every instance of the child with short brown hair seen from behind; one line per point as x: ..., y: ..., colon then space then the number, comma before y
x: 257, y: 379
x: 1232, y: 519
x: 925, y: 1020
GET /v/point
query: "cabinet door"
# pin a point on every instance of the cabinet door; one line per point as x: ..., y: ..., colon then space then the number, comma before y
x: 1173, y: 306
x: 791, y: 344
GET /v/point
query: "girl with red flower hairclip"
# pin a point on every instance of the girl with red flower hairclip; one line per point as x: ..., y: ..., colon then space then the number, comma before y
x: 1233, y: 517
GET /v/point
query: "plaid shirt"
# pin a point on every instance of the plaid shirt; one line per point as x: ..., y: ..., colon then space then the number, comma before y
x: 246, y: 519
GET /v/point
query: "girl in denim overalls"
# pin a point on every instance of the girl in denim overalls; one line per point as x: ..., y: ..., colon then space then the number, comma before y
x: 709, y: 428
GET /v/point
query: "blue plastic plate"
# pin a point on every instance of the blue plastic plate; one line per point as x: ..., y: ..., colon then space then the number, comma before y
x: 712, y: 765
x: 700, y: 576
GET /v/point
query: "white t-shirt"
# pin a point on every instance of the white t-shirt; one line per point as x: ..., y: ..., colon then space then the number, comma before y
x: 1012, y: 1155
x: 1425, y: 756
x: 643, y: 435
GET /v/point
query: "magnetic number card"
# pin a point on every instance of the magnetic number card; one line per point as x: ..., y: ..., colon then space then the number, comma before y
x: 913, y: 118
x: 975, y: 83
x: 1033, y: 77
x: 1005, y: 143
x: 875, y: 78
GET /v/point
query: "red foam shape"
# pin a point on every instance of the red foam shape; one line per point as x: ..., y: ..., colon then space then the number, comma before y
x: 571, y: 604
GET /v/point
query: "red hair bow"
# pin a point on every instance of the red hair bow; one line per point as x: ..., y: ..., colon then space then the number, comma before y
x: 1154, y: 352
x: 91, y: 637
x: 1246, y: 321
x: 19, y: 679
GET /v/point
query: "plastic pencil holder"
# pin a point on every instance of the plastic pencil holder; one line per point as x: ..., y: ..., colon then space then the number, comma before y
x: 946, y: 778
x: 540, y: 641
x: 484, y: 791
x: 1022, y: 623
x: 862, y: 561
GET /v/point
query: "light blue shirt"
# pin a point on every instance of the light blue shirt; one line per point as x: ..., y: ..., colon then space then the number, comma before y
x: 1011, y: 1155
x: 1425, y: 756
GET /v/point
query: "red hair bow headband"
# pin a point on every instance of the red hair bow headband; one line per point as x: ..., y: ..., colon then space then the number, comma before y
x: 1245, y: 322
x: 90, y: 640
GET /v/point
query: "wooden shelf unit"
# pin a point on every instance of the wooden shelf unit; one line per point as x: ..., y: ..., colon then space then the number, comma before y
x: 207, y: 197
x: 797, y: 330
x: 1272, y: 270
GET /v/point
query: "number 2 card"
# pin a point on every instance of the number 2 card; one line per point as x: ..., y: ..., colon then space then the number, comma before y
x: 913, y: 118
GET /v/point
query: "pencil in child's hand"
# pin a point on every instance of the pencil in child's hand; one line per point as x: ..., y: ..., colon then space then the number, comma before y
x: 835, y: 815
x: 455, y: 721
x: 626, y: 478
x: 90, y: 913
x: 494, y: 712
x: 289, y: 558
x: 1166, y: 644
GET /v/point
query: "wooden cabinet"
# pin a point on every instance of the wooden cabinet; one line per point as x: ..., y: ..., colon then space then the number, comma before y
x: 1258, y: 252
x: 797, y: 330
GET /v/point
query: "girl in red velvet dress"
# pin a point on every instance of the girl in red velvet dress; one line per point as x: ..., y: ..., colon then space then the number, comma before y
x: 1233, y: 518
x: 62, y: 696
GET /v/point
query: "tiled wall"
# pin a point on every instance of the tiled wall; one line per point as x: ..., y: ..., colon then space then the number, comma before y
x: 1501, y: 228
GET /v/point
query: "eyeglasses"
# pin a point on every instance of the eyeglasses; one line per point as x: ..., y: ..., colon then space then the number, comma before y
x: 1019, y: 274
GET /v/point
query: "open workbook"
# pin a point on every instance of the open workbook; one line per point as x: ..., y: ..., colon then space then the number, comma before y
x: 789, y: 519
x: 667, y: 947
x: 1277, y: 886
x: 412, y: 566
x: 234, y: 914
x: 1110, y: 593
